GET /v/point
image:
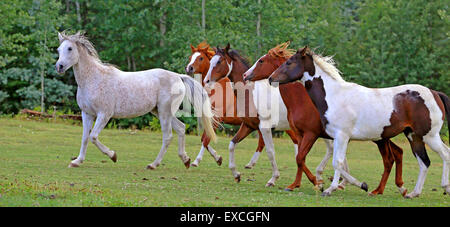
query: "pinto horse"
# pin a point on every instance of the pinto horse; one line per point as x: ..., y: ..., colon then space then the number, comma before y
x: 225, y: 106
x: 105, y: 92
x: 350, y: 111
x: 228, y: 63
x: 305, y: 120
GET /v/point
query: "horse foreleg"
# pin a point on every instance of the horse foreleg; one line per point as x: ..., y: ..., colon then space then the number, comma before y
x: 243, y: 132
x: 304, y: 148
x: 258, y: 151
x: 87, y: 126
x: 268, y: 141
x: 100, y: 123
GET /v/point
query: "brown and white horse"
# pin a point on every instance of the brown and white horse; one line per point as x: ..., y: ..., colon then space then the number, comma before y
x: 304, y: 119
x: 228, y: 63
x: 224, y: 102
x: 353, y: 112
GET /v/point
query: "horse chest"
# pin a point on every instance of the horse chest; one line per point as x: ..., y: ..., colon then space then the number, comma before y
x: 272, y: 111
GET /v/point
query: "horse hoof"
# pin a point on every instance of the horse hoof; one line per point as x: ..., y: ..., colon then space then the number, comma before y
x: 288, y: 189
x: 73, y: 165
x: 151, y: 167
x: 238, y: 178
x: 270, y: 185
x: 219, y: 162
x: 411, y: 195
x: 194, y: 164
x: 325, y: 193
x: 188, y: 163
x: 248, y: 166
x: 114, y: 157
x: 364, y: 186
x: 341, y: 187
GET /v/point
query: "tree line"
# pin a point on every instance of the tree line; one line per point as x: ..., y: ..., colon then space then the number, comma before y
x: 375, y: 43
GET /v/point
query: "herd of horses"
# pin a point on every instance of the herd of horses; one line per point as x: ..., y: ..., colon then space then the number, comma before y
x: 299, y: 92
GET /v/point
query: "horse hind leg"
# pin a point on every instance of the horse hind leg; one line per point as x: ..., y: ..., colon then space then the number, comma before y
x: 257, y: 153
x: 419, y: 151
x: 205, y: 146
x: 166, y: 128
x: 180, y: 129
x: 443, y: 150
x: 388, y: 162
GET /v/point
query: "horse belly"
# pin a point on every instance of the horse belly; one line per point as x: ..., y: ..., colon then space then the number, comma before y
x: 134, y: 101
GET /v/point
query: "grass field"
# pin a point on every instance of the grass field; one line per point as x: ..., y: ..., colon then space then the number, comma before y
x: 34, y: 157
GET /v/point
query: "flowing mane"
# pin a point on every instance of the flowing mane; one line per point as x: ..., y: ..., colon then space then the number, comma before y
x: 205, y: 47
x: 81, y: 40
x: 281, y: 51
x: 327, y: 64
x: 235, y: 55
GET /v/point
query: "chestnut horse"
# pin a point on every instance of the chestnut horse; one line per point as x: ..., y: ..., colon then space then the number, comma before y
x: 228, y: 63
x: 305, y: 121
x: 226, y: 107
x: 350, y: 111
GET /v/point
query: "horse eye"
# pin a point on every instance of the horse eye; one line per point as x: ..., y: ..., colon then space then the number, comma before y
x: 70, y: 48
x: 201, y: 58
x: 261, y: 61
x: 288, y: 63
x: 218, y: 62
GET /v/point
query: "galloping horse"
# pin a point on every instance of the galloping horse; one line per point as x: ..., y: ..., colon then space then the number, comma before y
x: 228, y: 63
x: 353, y: 112
x: 305, y: 120
x: 223, y: 103
x: 105, y: 92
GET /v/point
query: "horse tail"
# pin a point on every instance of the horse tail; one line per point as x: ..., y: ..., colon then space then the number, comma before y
x: 199, y: 98
x: 446, y: 102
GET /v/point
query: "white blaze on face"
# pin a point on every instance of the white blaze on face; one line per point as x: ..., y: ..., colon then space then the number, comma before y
x: 212, y: 64
x: 250, y: 70
x: 193, y: 58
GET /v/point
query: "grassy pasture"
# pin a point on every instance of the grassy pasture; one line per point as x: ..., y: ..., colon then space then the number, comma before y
x: 34, y: 157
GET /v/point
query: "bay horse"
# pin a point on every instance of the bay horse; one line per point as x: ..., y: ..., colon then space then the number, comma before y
x: 304, y: 119
x: 350, y: 111
x: 228, y: 63
x: 224, y: 103
x: 106, y: 92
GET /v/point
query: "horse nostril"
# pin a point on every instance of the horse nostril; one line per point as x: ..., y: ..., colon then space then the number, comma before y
x: 61, y: 67
x: 270, y: 79
x: 191, y: 68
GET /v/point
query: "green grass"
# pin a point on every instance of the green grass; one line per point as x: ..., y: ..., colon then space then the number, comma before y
x: 34, y: 157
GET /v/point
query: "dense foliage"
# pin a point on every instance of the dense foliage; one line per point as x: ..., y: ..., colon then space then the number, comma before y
x: 375, y: 43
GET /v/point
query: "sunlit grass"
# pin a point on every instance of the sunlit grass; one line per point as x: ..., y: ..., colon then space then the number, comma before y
x: 34, y: 157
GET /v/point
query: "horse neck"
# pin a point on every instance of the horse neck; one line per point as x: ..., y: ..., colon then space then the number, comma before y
x: 237, y: 74
x: 87, y: 70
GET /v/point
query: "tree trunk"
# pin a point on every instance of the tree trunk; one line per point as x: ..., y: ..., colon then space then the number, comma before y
x: 77, y: 4
x: 42, y: 76
x: 258, y: 30
x: 203, y: 17
x: 162, y: 28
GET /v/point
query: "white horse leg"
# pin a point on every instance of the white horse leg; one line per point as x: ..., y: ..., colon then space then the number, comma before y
x: 180, y: 129
x: 100, y: 123
x: 339, y: 164
x: 323, y: 163
x: 214, y: 154
x: 443, y: 150
x: 253, y: 160
x: 267, y: 136
x: 199, y: 156
x: 231, y: 162
x: 166, y: 127
x: 87, y: 126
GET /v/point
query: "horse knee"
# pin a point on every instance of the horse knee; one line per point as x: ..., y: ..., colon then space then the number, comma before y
x: 93, y: 138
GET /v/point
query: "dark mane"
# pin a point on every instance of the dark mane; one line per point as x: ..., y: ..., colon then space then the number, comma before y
x: 235, y: 55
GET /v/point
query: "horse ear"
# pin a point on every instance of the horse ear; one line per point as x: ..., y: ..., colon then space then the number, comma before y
x: 60, y: 37
x: 227, y: 48
x: 192, y: 48
x: 304, y: 51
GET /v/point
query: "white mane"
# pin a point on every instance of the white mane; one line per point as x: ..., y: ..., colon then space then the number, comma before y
x: 328, y: 65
